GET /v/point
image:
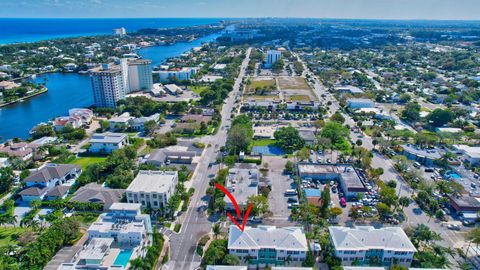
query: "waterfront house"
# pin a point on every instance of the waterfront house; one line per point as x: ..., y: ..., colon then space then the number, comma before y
x: 366, y: 245
x: 61, y: 122
x: 20, y: 150
x: 152, y: 189
x: 107, y: 142
x: 7, y: 85
x: 268, y: 245
x: 85, y: 115
x: 50, y: 182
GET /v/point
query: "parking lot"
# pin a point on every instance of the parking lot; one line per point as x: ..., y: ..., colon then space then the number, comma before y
x: 280, y: 183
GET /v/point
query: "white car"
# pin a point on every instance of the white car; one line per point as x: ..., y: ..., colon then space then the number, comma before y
x: 454, y: 227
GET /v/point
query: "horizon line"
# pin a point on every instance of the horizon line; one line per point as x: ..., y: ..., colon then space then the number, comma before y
x: 241, y: 18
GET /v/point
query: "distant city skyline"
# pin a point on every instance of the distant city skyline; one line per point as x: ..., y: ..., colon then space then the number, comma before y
x: 349, y: 9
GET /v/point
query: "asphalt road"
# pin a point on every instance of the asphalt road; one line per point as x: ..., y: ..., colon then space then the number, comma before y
x: 197, y: 223
x: 414, y: 214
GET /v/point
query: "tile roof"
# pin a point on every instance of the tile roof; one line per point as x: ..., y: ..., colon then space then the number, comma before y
x: 58, y: 191
x: 51, y: 171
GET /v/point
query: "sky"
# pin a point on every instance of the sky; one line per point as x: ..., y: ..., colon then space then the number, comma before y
x: 360, y: 9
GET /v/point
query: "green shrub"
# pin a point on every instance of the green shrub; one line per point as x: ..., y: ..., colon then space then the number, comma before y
x: 177, y: 228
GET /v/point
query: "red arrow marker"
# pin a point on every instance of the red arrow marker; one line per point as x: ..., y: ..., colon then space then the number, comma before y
x: 235, y: 204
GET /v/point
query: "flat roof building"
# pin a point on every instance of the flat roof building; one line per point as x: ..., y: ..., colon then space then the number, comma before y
x: 152, y: 189
x: 421, y: 155
x: 242, y: 181
x: 107, y: 142
x: 345, y: 174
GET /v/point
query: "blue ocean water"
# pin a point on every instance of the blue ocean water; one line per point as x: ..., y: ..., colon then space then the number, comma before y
x: 13, y: 30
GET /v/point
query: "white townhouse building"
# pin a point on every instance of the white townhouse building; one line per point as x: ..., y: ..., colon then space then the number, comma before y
x: 268, y: 245
x: 107, y: 142
x: 125, y: 223
x: 364, y: 244
x: 152, y: 189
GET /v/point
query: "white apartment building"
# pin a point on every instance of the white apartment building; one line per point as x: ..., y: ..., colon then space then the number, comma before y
x: 139, y: 75
x: 268, y: 245
x: 181, y: 74
x: 363, y: 244
x: 125, y: 223
x: 108, y: 85
x: 107, y: 142
x: 272, y: 57
x: 119, y: 31
x: 152, y: 189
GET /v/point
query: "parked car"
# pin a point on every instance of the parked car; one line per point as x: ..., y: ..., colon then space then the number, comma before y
x: 454, y: 227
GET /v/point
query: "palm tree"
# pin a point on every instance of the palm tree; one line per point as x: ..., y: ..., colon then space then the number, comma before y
x: 34, y: 224
x: 137, y: 264
x: 473, y: 236
x: 404, y: 201
x: 216, y: 230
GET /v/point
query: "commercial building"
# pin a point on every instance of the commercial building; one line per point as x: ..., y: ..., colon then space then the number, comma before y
x: 152, y: 189
x: 348, y: 89
x: 107, y: 142
x: 345, y: 174
x: 125, y: 223
x: 358, y: 103
x: 242, y: 182
x: 423, y: 156
x: 50, y: 182
x: 108, y: 85
x: 268, y: 245
x: 365, y: 245
x: 139, y: 75
x: 471, y: 153
x: 464, y: 204
x: 272, y: 57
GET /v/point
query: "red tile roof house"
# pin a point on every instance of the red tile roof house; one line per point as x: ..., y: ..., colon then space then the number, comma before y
x: 48, y: 182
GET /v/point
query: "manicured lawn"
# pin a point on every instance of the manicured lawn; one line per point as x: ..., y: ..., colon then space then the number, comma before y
x: 85, y: 161
x: 299, y: 98
x: 263, y: 142
x: 8, y: 235
x: 198, y: 89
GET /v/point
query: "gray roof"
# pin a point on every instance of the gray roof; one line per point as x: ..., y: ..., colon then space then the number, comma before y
x: 367, y: 237
x: 143, y: 119
x: 58, y: 191
x: 108, y: 137
x: 32, y: 191
x: 307, y: 135
x: 422, y: 152
x: 94, y: 192
x: 286, y: 238
x: 51, y: 171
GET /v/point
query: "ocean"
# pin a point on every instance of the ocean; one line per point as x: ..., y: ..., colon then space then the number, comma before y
x: 14, y: 30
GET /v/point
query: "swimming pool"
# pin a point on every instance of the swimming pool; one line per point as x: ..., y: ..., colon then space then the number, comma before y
x: 455, y: 176
x: 268, y: 150
x: 123, y: 257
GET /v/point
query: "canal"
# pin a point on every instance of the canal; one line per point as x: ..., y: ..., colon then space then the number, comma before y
x: 70, y: 90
